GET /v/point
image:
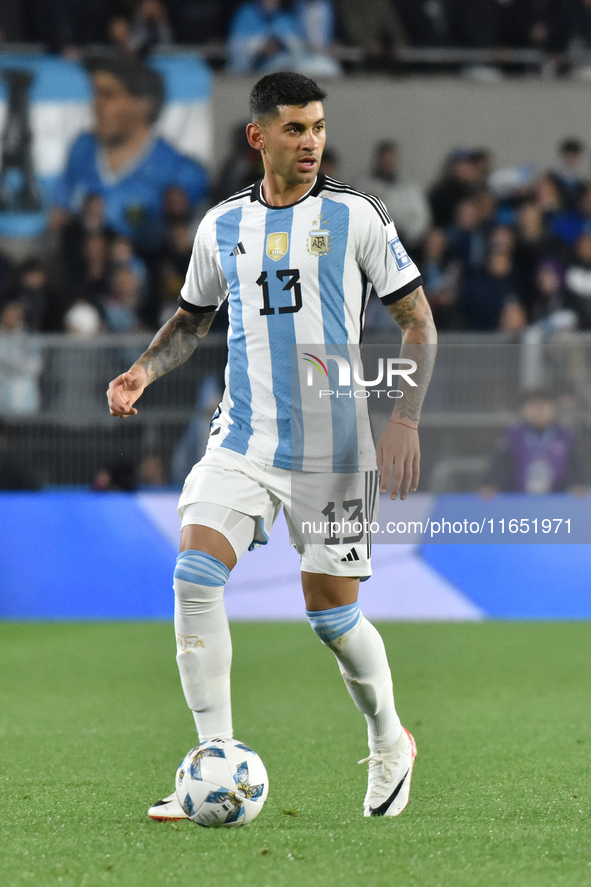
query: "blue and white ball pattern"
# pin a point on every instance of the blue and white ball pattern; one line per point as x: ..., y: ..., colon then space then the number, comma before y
x: 222, y: 782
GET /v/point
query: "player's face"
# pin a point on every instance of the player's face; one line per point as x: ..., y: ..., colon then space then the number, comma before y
x: 118, y: 114
x: 293, y: 142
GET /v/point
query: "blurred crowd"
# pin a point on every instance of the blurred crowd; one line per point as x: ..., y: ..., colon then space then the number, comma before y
x: 260, y: 34
x: 505, y: 250
x: 499, y: 250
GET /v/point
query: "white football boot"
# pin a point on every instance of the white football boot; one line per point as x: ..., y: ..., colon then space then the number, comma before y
x: 388, y: 784
x: 167, y: 809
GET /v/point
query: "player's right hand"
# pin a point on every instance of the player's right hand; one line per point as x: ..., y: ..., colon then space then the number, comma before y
x: 125, y: 390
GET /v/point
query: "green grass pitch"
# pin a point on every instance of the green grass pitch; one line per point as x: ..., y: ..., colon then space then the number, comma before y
x: 93, y: 725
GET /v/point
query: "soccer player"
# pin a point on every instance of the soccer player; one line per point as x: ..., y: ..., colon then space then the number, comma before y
x: 285, y: 287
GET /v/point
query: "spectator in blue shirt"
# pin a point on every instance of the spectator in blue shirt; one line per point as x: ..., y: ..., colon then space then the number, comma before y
x: 263, y: 36
x: 123, y: 161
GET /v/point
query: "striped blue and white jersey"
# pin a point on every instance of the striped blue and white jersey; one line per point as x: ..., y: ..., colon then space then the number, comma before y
x: 295, y: 276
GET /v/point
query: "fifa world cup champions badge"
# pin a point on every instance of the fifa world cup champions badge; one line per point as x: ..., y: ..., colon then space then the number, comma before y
x: 319, y: 239
x: 277, y: 245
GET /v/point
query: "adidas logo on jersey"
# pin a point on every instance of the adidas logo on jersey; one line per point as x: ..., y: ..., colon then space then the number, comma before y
x: 352, y: 556
x: 238, y: 250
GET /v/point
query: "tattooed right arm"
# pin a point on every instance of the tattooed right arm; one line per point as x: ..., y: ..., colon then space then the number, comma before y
x: 174, y: 343
x: 170, y: 347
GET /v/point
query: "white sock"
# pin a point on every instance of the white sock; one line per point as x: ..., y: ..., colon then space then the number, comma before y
x: 362, y: 660
x: 204, y: 646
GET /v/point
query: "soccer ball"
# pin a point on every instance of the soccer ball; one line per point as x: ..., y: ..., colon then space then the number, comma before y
x: 222, y: 783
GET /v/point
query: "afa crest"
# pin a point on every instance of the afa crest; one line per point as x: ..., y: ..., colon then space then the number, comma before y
x: 319, y: 240
x: 277, y: 245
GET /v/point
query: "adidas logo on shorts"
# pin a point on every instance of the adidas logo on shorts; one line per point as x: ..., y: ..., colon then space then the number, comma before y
x: 352, y: 556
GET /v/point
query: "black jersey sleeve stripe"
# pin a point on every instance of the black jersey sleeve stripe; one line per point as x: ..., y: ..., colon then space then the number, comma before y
x: 402, y: 292
x: 384, y: 208
x: 239, y: 195
x: 196, y: 309
x: 376, y: 201
x: 373, y: 201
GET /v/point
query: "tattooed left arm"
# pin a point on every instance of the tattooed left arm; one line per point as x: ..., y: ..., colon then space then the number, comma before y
x: 419, y: 343
x: 398, y: 448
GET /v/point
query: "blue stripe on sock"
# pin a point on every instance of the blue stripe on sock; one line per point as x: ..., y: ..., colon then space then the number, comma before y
x: 331, y: 624
x: 201, y: 569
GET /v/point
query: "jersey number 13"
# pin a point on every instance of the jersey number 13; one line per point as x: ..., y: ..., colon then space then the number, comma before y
x: 293, y: 283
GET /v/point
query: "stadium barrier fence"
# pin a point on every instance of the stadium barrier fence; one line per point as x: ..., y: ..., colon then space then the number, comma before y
x: 65, y: 434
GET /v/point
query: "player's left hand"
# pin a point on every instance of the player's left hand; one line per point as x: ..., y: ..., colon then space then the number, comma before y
x: 398, y: 448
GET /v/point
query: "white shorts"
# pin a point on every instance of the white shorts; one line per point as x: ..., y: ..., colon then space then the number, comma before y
x: 241, y: 499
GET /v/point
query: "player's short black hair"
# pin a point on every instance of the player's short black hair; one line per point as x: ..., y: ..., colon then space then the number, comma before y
x: 140, y: 80
x: 282, y: 88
